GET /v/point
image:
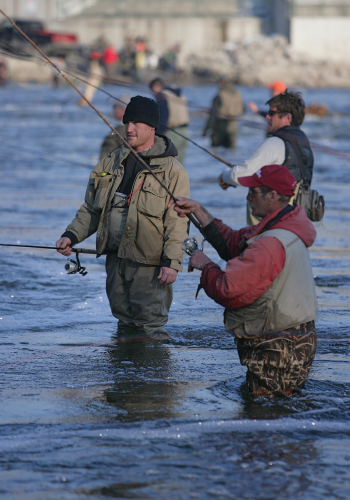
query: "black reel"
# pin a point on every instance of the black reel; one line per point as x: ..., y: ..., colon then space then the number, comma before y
x: 75, y: 267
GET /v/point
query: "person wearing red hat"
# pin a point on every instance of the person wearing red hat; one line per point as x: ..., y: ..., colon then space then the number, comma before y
x: 268, y: 288
x: 276, y: 88
x: 288, y: 146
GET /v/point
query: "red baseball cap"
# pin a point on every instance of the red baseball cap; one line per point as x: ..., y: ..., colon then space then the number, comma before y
x: 278, y: 85
x: 276, y: 177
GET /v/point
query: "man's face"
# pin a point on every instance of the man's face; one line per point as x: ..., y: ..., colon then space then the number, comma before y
x: 119, y: 113
x: 260, y: 206
x: 275, y: 121
x: 139, y: 135
x: 156, y: 88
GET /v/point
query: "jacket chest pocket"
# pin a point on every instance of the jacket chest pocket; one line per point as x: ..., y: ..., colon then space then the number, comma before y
x: 101, y: 185
x: 151, y: 200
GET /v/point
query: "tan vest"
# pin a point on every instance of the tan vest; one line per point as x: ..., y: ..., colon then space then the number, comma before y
x: 231, y: 104
x: 289, y: 301
x: 178, y: 110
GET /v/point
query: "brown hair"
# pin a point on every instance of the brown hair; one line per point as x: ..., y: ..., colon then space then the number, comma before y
x: 289, y: 102
x: 283, y: 198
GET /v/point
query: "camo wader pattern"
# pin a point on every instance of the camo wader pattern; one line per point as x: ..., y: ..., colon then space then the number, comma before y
x: 280, y: 362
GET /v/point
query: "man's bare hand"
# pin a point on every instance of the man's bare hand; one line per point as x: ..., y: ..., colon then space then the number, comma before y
x: 197, y: 261
x: 63, y: 246
x: 184, y: 206
x: 252, y: 106
x: 167, y: 276
x: 222, y: 183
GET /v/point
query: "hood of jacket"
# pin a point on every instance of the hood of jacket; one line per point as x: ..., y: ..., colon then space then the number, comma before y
x: 162, y: 148
x: 296, y: 221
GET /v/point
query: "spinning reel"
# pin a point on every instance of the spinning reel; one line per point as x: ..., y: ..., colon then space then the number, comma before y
x: 190, y: 245
x: 75, y: 267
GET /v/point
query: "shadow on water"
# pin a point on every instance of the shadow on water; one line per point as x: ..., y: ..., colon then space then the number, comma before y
x: 142, y: 390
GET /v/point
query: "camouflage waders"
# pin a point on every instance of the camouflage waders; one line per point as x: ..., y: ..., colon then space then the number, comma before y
x: 280, y: 362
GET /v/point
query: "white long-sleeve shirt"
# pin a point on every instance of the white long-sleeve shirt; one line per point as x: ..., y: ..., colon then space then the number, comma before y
x: 271, y: 152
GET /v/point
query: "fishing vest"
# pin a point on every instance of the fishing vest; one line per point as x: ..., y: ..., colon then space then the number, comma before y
x: 231, y: 104
x: 293, y: 139
x: 289, y: 301
x: 178, y: 109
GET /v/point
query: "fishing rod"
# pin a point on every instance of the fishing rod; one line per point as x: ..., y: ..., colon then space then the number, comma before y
x: 217, y: 157
x: 71, y: 73
x: 137, y: 157
x: 72, y: 267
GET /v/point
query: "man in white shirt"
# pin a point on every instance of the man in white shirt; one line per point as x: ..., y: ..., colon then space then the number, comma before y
x: 288, y: 145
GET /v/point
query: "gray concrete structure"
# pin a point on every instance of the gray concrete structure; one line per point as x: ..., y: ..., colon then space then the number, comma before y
x: 320, y: 29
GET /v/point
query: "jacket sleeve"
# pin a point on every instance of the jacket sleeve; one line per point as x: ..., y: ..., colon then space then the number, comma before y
x: 175, y: 227
x: 224, y: 239
x: 271, y: 152
x: 87, y: 218
x: 247, y: 277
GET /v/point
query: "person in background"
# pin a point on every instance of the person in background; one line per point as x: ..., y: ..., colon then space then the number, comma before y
x: 222, y: 121
x: 287, y: 145
x: 268, y: 288
x: 127, y: 208
x: 109, y: 60
x: 276, y: 88
x: 173, y: 111
x: 112, y: 141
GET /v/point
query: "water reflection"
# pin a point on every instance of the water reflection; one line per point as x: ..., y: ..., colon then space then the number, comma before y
x: 144, y: 380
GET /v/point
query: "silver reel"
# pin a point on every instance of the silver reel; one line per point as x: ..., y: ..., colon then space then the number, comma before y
x: 190, y: 245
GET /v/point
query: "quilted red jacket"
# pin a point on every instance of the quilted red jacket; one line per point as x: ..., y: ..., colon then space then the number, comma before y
x: 249, y: 275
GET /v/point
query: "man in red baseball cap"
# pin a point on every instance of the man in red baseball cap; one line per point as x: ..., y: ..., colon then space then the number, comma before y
x: 268, y: 288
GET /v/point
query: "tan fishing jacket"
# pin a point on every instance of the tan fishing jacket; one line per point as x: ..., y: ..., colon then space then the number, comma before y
x: 152, y: 233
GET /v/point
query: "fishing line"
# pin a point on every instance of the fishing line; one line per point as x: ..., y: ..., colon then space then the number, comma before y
x: 134, y: 153
x: 246, y: 123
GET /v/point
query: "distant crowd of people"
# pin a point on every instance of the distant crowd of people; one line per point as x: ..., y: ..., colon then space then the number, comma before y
x: 134, y: 57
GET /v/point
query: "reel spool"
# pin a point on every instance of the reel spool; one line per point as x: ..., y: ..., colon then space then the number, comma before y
x: 74, y: 267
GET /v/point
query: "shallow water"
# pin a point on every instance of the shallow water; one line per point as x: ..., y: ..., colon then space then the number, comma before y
x: 83, y: 416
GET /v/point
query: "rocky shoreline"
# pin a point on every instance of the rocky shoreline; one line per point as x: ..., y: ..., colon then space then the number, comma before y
x: 258, y: 60
x: 254, y: 61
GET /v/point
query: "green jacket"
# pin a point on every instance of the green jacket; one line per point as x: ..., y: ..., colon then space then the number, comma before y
x: 152, y: 232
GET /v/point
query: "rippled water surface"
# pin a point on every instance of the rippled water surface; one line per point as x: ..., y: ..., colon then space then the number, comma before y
x: 85, y: 416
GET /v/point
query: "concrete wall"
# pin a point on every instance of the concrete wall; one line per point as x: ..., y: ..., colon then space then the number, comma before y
x: 322, y: 37
x: 192, y: 33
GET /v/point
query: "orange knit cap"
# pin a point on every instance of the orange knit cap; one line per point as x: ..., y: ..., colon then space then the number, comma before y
x: 278, y: 85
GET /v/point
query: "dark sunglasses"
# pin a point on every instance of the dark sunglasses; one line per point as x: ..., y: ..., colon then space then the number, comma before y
x: 271, y: 112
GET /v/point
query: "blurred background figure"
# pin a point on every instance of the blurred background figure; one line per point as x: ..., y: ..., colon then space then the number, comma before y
x: 3, y: 72
x: 111, y: 140
x: 140, y: 59
x: 222, y: 121
x: 173, y: 112
x: 95, y: 78
x: 276, y: 88
x: 109, y: 60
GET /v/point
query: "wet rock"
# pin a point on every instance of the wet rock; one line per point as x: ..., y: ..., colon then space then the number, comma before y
x: 260, y: 59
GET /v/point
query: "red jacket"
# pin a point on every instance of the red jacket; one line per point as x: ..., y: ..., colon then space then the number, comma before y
x: 249, y: 275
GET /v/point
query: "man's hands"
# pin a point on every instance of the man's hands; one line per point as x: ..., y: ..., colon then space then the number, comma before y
x: 222, y: 183
x: 167, y: 275
x: 197, y: 261
x: 63, y: 246
x: 184, y: 206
